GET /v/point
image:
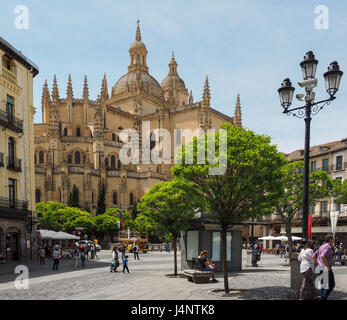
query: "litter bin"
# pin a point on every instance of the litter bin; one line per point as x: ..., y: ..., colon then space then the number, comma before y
x: 252, y: 255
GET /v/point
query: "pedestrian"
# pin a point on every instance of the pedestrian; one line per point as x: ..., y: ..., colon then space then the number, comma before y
x: 83, y: 258
x: 308, y: 289
x: 324, y: 256
x: 168, y: 249
x: 42, y: 255
x: 336, y: 252
x: 115, y: 261
x: 287, y: 252
x: 341, y: 249
x: 56, y: 257
x: 125, y: 263
x: 136, y: 251
x: 92, y: 251
x: 75, y: 255
x: 278, y: 250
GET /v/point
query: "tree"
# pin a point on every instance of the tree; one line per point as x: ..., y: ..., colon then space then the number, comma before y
x: 50, y: 219
x: 168, y: 207
x: 101, y: 204
x: 106, y: 225
x: 250, y: 181
x: 59, y: 217
x: 74, y: 197
x: 290, y: 201
x: 341, y: 192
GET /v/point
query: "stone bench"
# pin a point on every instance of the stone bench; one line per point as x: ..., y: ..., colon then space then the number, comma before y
x: 198, y: 276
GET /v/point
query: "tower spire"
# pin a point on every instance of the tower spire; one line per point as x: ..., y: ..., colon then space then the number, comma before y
x: 206, y: 97
x: 138, y: 31
x: 104, y: 89
x: 191, y: 100
x: 45, y: 92
x: 85, y: 89
x: 69, y: 91
x: 238, y: 114
x: 55, y: 92
x: 173, y: 65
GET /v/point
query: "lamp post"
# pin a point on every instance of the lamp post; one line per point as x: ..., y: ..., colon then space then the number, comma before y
x: 286, y: 92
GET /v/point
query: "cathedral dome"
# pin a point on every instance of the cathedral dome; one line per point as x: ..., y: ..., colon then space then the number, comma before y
x: 129, y: 83
x: 174, y: 81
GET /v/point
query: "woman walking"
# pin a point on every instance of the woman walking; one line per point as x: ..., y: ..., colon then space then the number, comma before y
x: 307, y: 270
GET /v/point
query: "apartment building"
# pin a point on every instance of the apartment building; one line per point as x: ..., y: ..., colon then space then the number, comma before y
x: 17, y: 170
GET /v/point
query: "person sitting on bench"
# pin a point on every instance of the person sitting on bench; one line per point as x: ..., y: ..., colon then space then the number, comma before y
x: 206, y: 264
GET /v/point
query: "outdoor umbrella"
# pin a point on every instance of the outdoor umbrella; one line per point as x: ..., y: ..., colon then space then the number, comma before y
x: 65, y: 236
x: 268, y: 238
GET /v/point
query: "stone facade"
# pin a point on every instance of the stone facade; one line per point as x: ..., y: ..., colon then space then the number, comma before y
x: 78, y: 141
x: 17, y: 177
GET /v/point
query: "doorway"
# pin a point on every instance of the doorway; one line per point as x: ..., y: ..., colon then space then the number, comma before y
x: 12, y: 244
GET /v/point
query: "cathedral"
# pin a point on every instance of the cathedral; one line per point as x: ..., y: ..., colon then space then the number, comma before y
x: 78, y: 141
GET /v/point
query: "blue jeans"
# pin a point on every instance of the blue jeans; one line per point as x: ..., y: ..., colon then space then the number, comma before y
x: 324, y: 293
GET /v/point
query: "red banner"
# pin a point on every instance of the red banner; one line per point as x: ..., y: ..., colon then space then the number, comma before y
x: 310, y: 226
x: 123, y: 224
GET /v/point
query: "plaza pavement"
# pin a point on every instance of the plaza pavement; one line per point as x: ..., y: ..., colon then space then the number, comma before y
x: 147, y: 280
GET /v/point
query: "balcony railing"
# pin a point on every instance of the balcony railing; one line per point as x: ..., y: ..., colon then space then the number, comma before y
x: 13, y: 203
x: 1, y: 159
x: 14, y: 164
x: 10, y: 121
x: 9, y: 75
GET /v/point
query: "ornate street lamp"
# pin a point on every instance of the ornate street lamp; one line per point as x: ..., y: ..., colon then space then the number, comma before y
x: 333, y: 78
x: 286, y: 92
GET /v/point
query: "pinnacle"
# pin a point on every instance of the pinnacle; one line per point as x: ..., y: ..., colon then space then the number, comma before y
x: 55, y: 92
x: 69, y: 91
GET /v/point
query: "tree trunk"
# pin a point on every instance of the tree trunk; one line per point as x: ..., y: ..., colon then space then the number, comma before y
x: 175, y: 254
x: 224, y: 260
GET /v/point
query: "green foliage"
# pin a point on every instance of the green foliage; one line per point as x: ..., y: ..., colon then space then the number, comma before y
x: 168, y: 207
x: 340, y: 191
x: 101, y: 202
x: 106, y: 224
x: 74, y: 197
x: 250, y: 182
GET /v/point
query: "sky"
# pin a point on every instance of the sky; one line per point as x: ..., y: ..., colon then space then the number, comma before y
x: 244, y: 46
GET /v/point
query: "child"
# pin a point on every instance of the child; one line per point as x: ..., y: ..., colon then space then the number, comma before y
x: 125, y: 264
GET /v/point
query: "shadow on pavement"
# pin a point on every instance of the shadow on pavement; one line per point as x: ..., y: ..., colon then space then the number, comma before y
x: 37, y: 270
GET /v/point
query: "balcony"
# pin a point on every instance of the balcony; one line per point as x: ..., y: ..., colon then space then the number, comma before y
x: 14, y: 163
x: 10, y: 121
x: 9, y: 75
x: 1, y: 159
x: 13, y: 208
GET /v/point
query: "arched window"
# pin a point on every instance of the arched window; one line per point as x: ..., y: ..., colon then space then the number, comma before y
x: 38, y: 195
x: 35, y: 158
x: 113, y: 161
x: 131, y: 198
x: 143, y: 60
x: 69, y: 158
x: 113, y: 137
x: 77, y: 157
x: 65, y: 132
x: 106, y: 162
x: 114, y: 198
x: 119, y: 163
x: 138, y: 59
x: 78, y: 132
x: 41, y: 157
